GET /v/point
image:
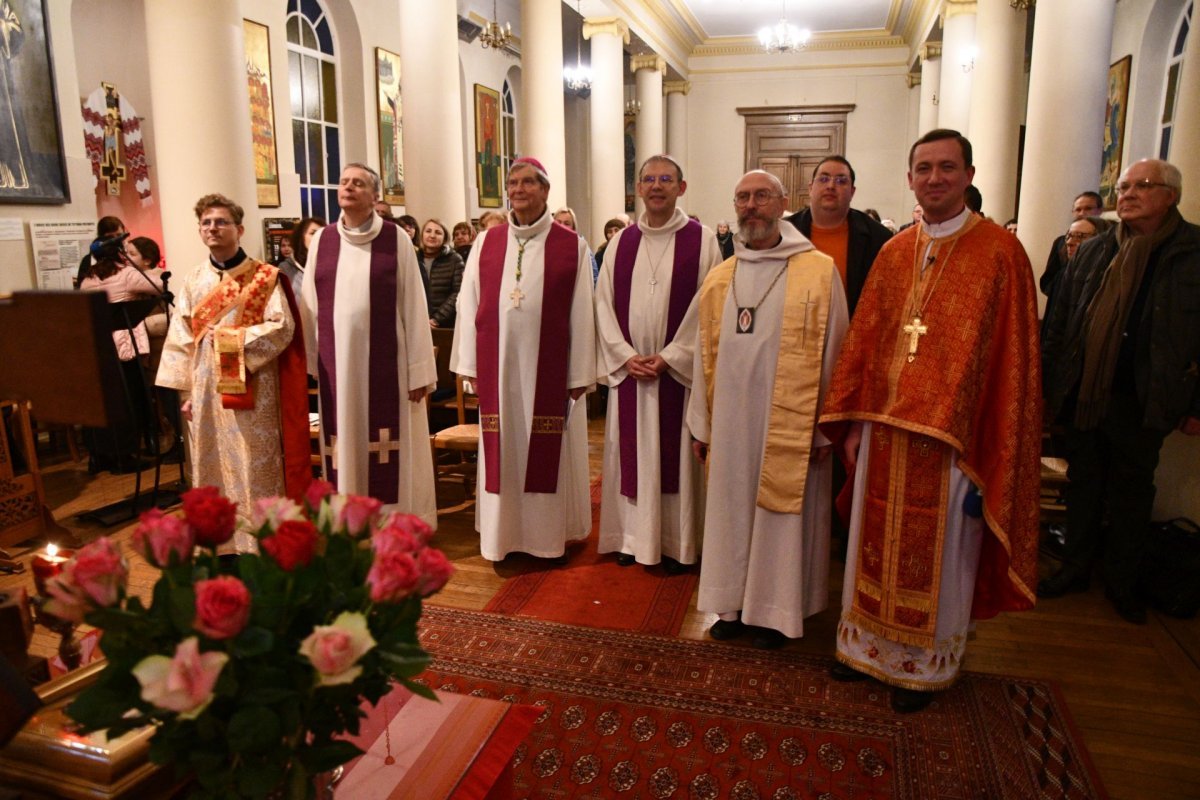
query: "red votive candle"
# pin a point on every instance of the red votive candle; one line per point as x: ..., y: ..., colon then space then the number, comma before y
x: 47, y: 564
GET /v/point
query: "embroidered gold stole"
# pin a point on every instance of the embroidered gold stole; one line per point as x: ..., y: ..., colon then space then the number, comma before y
x: 246, y: 289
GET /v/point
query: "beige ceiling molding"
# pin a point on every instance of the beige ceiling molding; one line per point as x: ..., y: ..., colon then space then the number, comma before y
x: 874, y: 67
x: 747, y: 46
x: 597, y: 26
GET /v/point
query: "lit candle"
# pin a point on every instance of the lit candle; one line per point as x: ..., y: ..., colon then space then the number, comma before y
x: 47, y: 564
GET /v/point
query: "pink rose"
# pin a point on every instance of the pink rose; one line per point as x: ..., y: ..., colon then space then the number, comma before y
x: 212, y: 517
x: 293, y: 544
x: 435, y: 569
x: 393, y: 576
x: 273, y: 511
x: 353, y: 514
x: 317, y: 492
x: 401, y: 532
x: 160, y: 536
x: 335, y: 649
x: 184, y: 683
x: 222, y: 607
x: 410, y: 523
x: 93, y: 578
x: 66, y: 600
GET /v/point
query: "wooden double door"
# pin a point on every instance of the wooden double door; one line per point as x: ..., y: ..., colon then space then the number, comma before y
x: 789, y: 142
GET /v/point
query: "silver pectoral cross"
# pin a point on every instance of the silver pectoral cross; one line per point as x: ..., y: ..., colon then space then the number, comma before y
x: 516, y: 295
x: 915, y: 330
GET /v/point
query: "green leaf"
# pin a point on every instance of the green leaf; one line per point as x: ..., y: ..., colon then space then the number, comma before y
x: 405, y: 662
x: 258, y: 780
x: 100, y: 706
x: 253, y: 729
x: 253, y: 641
x: 328, y: 756
x: 419, y: 689
x: 182, y: 608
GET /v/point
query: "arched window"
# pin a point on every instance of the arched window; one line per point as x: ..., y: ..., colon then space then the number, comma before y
x: 1174, y: 74
x: 508, y: 127
x: 313, y: 79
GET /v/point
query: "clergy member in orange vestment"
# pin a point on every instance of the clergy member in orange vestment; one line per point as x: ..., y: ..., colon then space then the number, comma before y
x: 936, y: 396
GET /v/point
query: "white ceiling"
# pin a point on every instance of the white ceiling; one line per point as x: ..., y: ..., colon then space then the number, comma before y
x: 745, y: 17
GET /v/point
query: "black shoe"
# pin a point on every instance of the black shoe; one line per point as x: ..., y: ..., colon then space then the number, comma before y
x: 673, y: 567
x: 1065, y: 581
x: 723, y: 630
x: 846, y: 674
x: 768, y: 639
x: 906, y: 701
x: 1128, y: 606
x: 625, y: 560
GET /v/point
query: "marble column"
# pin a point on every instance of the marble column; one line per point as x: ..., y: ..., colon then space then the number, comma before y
x: 543, y: 122
x: 931, y: 78
x: 608, y: 36
x: 995, y: 120
x: 435, y: 177
x: 958, y: 43
x: 202, y: 135
x: 648, y: 73
x: 1062, y: 156
x: 677, y: 107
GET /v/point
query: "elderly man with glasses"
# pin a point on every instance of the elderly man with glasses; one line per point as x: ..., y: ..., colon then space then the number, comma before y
x: 1120, y: 354
x: 771, y: 322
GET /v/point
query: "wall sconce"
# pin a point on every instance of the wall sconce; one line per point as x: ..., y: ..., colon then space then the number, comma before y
x: 969, y: 59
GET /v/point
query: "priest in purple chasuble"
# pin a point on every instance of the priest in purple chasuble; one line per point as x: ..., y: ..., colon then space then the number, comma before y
x: 937, y: 400
x: 370, y: 349
x: 525, y: 336
x: 652, y: 493
x: 232, y: 355
x: 771, y: 321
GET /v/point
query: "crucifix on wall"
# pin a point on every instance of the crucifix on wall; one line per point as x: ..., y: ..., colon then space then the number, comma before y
x: 111, y: 169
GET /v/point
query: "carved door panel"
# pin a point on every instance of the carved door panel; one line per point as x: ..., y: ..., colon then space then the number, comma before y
x: 789, y: 142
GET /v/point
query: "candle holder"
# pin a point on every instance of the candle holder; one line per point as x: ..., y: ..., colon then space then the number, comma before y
x: 46, y: 564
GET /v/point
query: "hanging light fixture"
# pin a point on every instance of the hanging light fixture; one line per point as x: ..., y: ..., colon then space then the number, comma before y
x: 494, y: 34
x: 579, y: 77
x: 783, y: 37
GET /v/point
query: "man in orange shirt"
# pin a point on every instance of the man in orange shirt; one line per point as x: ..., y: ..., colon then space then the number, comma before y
x: 849, y: 237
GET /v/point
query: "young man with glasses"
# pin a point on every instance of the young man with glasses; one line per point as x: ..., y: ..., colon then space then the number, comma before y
x: 771, y: 320
x: 233, y: 355
x: 651, y: 507
x: 1120, y: 352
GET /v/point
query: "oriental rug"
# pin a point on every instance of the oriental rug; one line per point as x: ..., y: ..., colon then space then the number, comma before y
x: 593, y: 590
x: 632, y: 715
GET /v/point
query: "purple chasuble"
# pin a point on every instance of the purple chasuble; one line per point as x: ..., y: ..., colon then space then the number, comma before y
x: 685, y: 274
x: 550, y: 392
x: 383, y: 376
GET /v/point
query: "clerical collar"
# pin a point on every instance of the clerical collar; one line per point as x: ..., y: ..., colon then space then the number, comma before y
x: 366, y: 226
x: 238, y: 258
x: 938, y: 230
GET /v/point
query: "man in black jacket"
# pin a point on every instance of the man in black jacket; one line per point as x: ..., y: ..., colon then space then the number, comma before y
x: 849, y: 237
x: 1120, y: 359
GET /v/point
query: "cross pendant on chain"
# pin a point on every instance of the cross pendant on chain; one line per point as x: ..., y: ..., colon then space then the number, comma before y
x: 915, y: 330
x: 516, y: 295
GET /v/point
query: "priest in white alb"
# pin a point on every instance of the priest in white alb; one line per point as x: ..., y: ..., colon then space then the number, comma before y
x: 526, y: 338
x: 652, y: 492
x: 771, y: 322
x: 367, y: 330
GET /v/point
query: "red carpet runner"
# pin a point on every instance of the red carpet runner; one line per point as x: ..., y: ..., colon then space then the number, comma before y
x: 593, y: 590
x: 629, y: 715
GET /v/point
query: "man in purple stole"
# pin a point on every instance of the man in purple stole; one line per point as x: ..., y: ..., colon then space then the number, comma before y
x: 526, y: 338
x: 369, y: 346
x: 652, y: 493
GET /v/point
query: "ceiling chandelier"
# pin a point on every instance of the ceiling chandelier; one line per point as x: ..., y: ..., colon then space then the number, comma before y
x: 579, y: 77
x: 494, y: 34
x: 783, y: 37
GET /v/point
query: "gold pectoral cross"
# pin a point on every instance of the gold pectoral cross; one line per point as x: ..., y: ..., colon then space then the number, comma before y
x: 915, y: 330
x: 516, y: 296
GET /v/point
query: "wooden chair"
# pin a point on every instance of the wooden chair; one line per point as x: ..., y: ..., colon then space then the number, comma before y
x: 455, y: 448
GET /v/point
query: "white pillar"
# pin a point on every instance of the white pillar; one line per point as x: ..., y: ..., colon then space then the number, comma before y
x: 608, y: 36
x: 958, y: 42
x: 435, y: 178
x: 995, y: 120
x: 543, y: 122
x: 677, y: 105
x: 1062, y: 159
x: 931, y: 78
x: 202, y: 134
x: 648, y: 138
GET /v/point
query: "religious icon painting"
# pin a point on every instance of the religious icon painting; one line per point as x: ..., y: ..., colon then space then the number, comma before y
x: 262, y: 113
x: 391, y: 128
x: 33, y: 167
x: 488, y: 161
x: 1114, y: 129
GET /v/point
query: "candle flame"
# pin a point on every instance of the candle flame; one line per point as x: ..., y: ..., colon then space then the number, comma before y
x: 51, y: 550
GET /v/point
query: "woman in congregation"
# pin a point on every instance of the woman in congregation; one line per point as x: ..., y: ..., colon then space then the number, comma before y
x: 293, y: 265
x: 442, y: 270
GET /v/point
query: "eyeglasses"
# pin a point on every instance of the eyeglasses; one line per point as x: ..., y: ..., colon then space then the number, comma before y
x: 759, y: 198
x: 1079, y: 236
x: 215, y: 223
x: 1126, y: 187
x: 836, y: 180
x: 665, y: 180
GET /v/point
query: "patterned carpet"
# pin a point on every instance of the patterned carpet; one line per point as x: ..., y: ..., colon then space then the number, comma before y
x: 638, y: 716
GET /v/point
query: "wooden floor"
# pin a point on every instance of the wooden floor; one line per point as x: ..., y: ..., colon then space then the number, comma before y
x: 1134, y: 691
